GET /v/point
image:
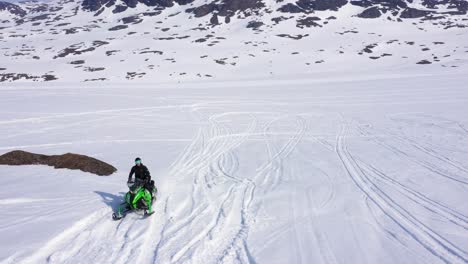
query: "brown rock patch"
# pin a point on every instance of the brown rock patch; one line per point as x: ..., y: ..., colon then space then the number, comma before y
x: 66, y: 161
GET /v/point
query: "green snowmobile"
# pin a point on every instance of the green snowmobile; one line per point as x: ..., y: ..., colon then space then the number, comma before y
x: 140, y: 196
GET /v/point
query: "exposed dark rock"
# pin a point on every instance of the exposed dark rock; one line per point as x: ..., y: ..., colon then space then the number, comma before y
x: 49, y: 77
x: 364, y: 3
x: 368, y: 48
x: 40, y: 17
x: 254, y: 24
x: 133, y: 75
x: 297, y: 37
x: 9, y: 77
x: 150, y: 14
x: 348, y: 31
x: 63, y: 24
x: 372, y: 12
x: 73, y: 30
x: 131, y: 3
x: 221, y: 61
x: 12, y: 8
x: 79, y: 48
x: 424, y: 62
x: 65, y: 161
x: 321, y: 5
x: 18, y: 36
x: 111, y: 52
x: 119, y: 9
x: 308, y: 22
x: 385, y: 4
x: 230, y: 7
x: 95, y: 79
x: 55, y: 8
x: 99, y: 11
x: 118, y: 27
x: 110, y: 3
x: 77, y: 62
x: 39, y: 8
x: 183, y: 2
x: 279, y: 19
x: 98, y: 43
x: 160, y: 3
x: 214, y: 19
x: 203, y: 10
x: 152, y: 52
x: 92, y: 5
x: 413, y: 13
x: 132, y: 20
x: 291, y: 8
x: 94, y: 69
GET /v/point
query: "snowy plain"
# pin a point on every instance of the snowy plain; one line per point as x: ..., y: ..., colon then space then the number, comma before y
x: 351, y: 171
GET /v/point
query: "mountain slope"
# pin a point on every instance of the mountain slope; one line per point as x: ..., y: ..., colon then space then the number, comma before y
x: 65, y: 41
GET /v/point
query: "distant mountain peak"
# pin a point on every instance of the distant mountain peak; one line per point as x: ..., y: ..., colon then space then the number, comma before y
x: 12, y: 9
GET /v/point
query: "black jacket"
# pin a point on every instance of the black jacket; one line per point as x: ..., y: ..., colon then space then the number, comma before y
x: 141, y: 172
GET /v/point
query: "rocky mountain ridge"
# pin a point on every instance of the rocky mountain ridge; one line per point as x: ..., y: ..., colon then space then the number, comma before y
x: 398, y: 9
x: 94, y: 40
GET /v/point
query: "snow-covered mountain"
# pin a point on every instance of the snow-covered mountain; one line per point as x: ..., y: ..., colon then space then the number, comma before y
x: 181, y: 40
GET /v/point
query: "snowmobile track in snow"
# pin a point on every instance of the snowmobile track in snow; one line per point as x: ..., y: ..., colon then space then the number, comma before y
x: 432, y: 241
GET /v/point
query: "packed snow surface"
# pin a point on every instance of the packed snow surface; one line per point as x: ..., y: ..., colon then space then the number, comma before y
x: 367, y: 169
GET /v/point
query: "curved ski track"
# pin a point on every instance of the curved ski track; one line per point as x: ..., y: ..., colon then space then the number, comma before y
x: 432, y: 241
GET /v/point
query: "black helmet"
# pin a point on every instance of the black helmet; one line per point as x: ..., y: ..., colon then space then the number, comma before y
x: 137, y: 160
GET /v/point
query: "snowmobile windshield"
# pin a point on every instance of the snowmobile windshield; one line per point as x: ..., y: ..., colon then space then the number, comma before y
x: 134, y: 187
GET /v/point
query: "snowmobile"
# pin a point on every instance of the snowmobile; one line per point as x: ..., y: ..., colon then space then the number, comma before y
x: 141, y: 196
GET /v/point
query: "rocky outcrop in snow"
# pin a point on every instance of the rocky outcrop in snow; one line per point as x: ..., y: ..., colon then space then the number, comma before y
x: 65, y: 161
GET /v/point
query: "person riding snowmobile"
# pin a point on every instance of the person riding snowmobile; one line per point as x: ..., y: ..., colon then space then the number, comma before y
x: 141, y: 173
x: 141, y: 194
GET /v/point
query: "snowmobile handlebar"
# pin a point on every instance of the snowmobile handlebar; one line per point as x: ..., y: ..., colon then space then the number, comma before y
x: 130, y: 184
x: 134, y: 183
